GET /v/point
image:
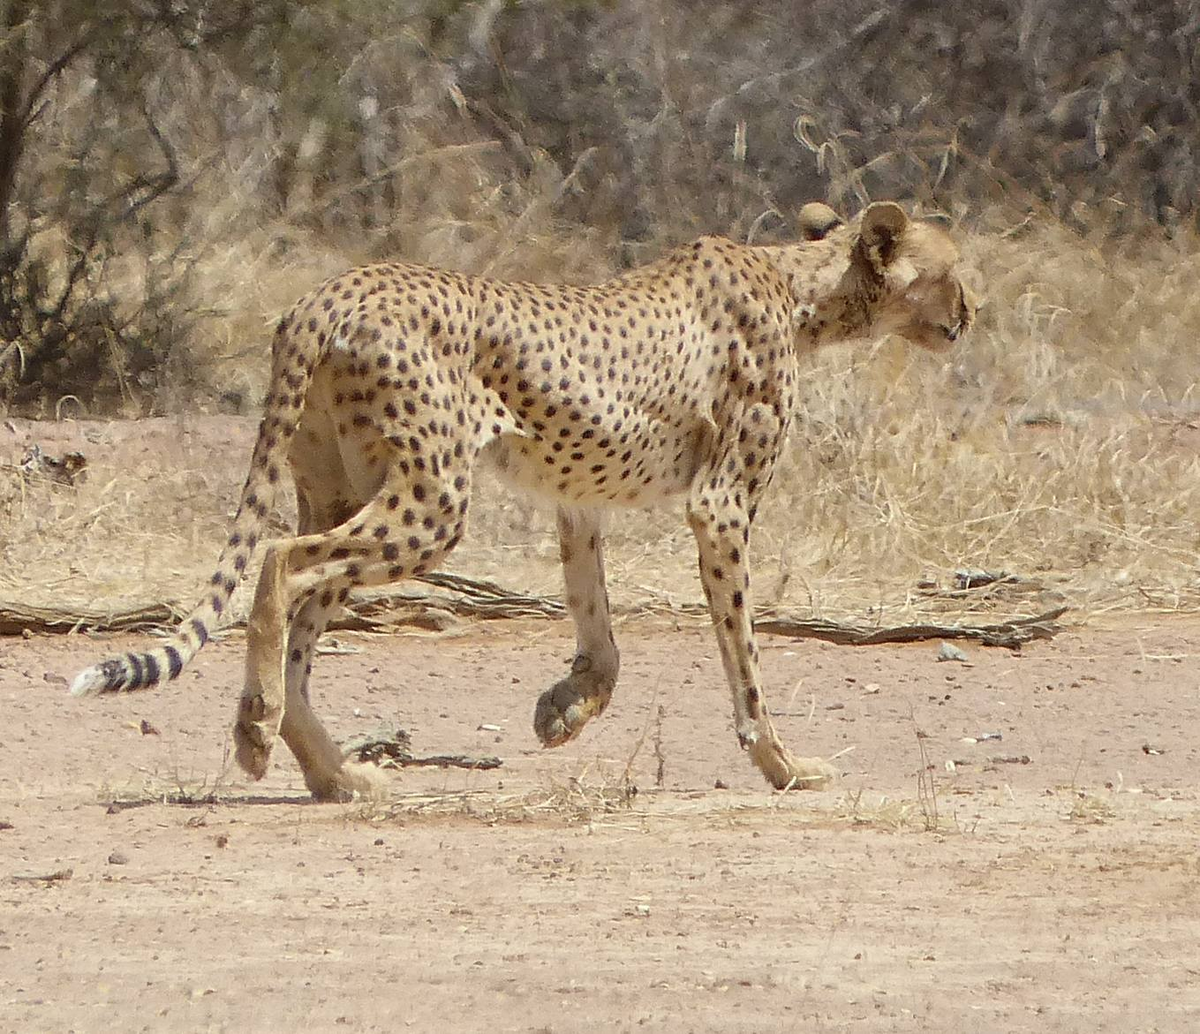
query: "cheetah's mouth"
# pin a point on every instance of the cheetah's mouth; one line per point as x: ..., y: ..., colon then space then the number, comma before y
x: 949, y: 333
x: 935, y: 337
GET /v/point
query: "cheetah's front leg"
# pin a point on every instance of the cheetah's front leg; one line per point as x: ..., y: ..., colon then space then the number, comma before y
x: 564, y: 709
x: 722, y: 530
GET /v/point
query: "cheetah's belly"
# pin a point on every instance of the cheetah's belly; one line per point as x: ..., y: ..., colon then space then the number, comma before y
x: 649, y: 462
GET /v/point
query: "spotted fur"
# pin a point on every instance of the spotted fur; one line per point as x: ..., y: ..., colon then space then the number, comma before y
x: 391, y: 381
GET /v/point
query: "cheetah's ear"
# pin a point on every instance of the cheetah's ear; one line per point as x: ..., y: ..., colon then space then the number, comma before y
x: 883, y: 225
x: 816, y: 220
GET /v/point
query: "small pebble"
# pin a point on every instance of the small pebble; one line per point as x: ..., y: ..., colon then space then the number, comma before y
x: 950, y: 652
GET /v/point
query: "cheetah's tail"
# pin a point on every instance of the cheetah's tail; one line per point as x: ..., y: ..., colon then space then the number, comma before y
x: 281, y: 417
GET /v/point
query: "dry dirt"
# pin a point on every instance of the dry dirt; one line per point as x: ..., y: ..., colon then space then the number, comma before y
x: 1050, y: 883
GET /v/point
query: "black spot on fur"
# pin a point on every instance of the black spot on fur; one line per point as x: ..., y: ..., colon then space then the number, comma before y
x: 115, y: 674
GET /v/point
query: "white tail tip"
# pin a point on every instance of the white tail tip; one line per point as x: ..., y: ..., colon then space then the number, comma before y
x: 89, y: 681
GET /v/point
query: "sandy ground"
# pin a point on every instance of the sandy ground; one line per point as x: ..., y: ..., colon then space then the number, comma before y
x: 1050, y: 883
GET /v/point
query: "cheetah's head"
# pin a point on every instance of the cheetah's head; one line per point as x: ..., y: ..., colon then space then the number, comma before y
x: 891, y: 275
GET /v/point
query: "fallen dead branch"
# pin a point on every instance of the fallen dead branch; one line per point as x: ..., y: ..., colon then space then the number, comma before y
x: 462, y: 597
x: 458, y: 597
x: 17, y: 618
x: 1011, y: 634
x: 181, y: 798
x: 46, y: 879
x: 448, y: 761
x: 484, y: 600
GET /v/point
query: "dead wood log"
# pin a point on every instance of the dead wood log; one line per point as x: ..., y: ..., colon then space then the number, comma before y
x: 1011, y: 634
x: 459, y: 597
x: 470, y: 598
x: 17, y: 618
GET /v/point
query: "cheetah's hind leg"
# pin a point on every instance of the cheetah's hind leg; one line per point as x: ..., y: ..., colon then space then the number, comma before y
x: 264, y: 712
x: 328, y: 774
x: 414, y: 520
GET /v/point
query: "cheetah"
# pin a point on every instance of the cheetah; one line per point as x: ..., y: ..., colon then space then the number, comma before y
x: 390, y: 382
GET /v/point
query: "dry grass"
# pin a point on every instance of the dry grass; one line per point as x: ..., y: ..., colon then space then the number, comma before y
x: 1059, y: 442
x: 576, y: 800
x: 147, y: 515
x: 613, y: 802
x: 185, y: 789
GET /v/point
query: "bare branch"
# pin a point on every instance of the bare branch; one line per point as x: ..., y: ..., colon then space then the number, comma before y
x: 152, y: 187
x: 55, y: 68
x: 807, y: 67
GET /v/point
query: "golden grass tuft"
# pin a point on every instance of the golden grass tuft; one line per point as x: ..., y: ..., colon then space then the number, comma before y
x: 571, y: 802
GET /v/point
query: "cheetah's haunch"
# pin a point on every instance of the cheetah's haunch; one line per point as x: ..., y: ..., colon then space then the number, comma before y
x: 391, y: 381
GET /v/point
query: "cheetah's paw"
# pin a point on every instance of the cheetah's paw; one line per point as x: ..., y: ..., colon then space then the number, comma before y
x: 565, y: 708
x: 785, y: 771
x: 254, y: 735
x: 347, y: 782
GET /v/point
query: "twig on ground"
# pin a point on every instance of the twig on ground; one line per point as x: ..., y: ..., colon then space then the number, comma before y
x: 926, y: 788
x: 45, y: 878
x: 393, y: 750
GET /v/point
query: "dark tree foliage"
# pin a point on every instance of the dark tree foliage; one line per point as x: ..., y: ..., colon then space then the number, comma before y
x: 1061, y: 102
x: 61, y: 333
x: 662, y: 120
